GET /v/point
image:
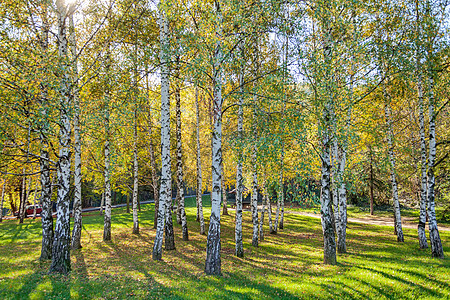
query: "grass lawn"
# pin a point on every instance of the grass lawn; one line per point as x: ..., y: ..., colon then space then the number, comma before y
x: 287, y: 265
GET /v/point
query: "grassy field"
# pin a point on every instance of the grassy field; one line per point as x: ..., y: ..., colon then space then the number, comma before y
x: 287, y: 265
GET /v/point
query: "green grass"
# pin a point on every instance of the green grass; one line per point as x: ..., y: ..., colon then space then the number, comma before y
x: 287, y: 265
x: 364, y: 212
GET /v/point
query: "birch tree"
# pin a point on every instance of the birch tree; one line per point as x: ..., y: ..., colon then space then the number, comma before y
x: 181, y: 213
x: 107, y: 151
x: 199, y: 201
x: 165, y: 191
x: 77, y: 222
x: 213, y: 265
x: 44, y: 157
x: 431, y: 28
x: 61, y: 245
x: 239, y: 251
x: 2, y: 199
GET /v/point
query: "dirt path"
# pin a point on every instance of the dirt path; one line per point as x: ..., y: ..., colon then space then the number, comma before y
x: 374, y: 220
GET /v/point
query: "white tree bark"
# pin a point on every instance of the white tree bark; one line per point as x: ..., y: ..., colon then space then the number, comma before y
x: 44, y: 162
x: 107, y: 152
x: 213, y: 265
x: 326, y: 134
x: 239, y: 251
x: 155, y: 178
x: 435, y: 239
x: 135, y: 176
x: 423, y: 168
x: 255, y: 180
x: 77, y: 223
x: 264, y: 207
x: 200, y: 217
x: 61, y: 245
x: 181, y: 213
x: 269, y: 208
x: 165, y: 189
x: 390, y: 135
x: 255, y: 199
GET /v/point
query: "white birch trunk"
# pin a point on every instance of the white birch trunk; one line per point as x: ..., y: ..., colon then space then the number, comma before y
x: 423, y: 169
x: 44, y: 163
x: 61, y: 245
x: 135, y: 176
x: 254, y: 198
x: 326, y: 124
x: 107, y: 152
x: 77, y: 222
x: 154, y: 174
x: 181, y: 213
x: 269, y: 208
x: 335, y: 177
x: 264, y: 202
x: 435, y: 239
x: 342, y: 190
x: 213, y: 263
x: 165, y: 190
x: 390, y: 135
x: 239, y: 251
x: 200, y: 217
x: 102, y: 203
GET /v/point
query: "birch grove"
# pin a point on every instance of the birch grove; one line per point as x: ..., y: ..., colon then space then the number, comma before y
x: 319, y: 106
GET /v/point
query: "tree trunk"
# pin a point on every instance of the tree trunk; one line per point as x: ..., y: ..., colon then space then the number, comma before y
x: 255, y: 220
x: 255, y: 199
x: 154, y: 171
x: 239, y: 251
x: 335, y: 178
x: 281, y: 192
x: 24, y: 194
x: 213, y: 265
x: 261, y: 222
x: 77, y: 223
x: 181, y: 213
x: 390, y: 136
x: 342, y: 225
x: 435, y: 239
x: 224, y: 194
x: 165, y: 187
x: 102, y: 202
x: 423, y: 167
x: 371, y: 182
x: 107, y: 153
x: 135, y: 176
x: 21, y: 214
x: 269, y: 208
x: 61, y: 245
x: 325, y: 134
x: 199, y: 167
x: 2, y: 200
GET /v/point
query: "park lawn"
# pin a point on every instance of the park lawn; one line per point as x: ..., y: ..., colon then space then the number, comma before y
x: 287, y: 265
x: 364, y: 212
